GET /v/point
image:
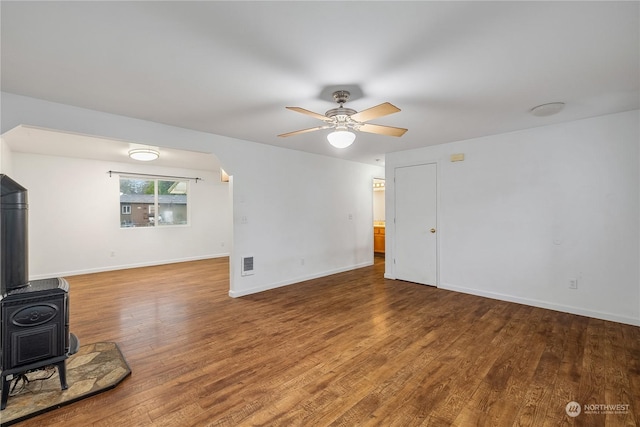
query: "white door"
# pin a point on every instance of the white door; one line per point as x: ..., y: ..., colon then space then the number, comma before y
x: 415, y: 254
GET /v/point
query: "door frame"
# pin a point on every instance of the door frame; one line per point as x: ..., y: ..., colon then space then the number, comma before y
x: 373, y: 180
x: 390, y: 212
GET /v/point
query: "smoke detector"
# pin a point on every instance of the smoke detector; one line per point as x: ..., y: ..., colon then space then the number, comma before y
x: 547, y: 109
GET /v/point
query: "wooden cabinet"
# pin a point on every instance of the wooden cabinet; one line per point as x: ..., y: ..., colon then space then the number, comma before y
x: 378, y: 239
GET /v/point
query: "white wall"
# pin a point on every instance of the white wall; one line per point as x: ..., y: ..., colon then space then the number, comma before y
x: 526, y: 211
x: 5, y: 158
x: 297, y: 205
x: 300, y: 215
x: 74, y: 218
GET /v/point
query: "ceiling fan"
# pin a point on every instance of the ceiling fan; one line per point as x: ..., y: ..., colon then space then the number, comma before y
x: 343, y: 120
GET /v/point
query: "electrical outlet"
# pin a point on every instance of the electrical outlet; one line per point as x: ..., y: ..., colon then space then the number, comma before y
x: 573, y: 283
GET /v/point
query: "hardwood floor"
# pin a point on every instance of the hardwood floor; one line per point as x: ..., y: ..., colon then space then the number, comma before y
x: 352, y: 349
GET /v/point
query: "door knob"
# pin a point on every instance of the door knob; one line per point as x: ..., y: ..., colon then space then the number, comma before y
x: 433, y: 230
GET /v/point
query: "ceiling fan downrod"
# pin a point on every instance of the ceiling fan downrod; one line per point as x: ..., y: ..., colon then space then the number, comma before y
x: 341, y: 96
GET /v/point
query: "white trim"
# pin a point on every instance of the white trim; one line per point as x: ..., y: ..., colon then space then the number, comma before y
x: 543, y: 304
x: 236, y: 294
x: 125, y: 266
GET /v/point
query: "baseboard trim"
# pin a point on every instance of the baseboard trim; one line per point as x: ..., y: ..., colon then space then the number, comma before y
x: 267, y: 287
x: 543, y: 304
x: 124, y: 266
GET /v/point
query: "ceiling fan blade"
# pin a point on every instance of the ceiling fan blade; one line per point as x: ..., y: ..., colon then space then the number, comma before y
x: 308, y: 113
x: 382, y: 130
x: 297, y: 132
x: 375, y: 112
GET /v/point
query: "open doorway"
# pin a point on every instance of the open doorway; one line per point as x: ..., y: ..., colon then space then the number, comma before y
x: 378, y: 218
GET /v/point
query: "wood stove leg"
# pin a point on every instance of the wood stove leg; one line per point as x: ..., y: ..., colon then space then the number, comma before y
x: 62, y: 373
x: 5, y: 392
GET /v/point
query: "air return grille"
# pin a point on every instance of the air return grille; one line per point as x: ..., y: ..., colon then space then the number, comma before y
x: 247, y: 265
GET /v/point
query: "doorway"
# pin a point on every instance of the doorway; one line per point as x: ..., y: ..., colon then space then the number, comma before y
x: 415, y: 254
x: 379, y: 218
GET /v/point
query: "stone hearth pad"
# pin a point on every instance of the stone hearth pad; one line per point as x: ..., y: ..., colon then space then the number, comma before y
x: 93, y: 369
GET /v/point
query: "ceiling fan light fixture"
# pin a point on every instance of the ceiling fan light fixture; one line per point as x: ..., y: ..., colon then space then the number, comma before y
x: 343, y: 119
x: 144, y: 154
x: 341, y: 138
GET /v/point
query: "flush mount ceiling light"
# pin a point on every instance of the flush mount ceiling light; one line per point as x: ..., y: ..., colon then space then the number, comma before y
x: 547, y: 109
x: 144, y: 154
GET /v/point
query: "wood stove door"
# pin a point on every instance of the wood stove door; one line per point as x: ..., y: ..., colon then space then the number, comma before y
x: 34, y: 329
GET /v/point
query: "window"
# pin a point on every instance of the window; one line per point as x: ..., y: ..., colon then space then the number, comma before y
x: 146, y: 202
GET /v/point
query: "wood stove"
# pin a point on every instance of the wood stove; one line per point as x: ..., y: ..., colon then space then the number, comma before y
x: 34, y: 332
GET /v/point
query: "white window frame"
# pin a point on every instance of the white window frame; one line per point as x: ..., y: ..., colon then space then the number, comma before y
x: 152, y: 209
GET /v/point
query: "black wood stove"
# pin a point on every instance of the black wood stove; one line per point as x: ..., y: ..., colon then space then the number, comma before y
x: 34, y: 333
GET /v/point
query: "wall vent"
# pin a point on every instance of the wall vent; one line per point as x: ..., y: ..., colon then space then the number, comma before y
x: 247, y: 266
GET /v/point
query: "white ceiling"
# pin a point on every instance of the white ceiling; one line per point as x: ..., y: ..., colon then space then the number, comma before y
x: 29, y: 139
x: 457, y: 70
